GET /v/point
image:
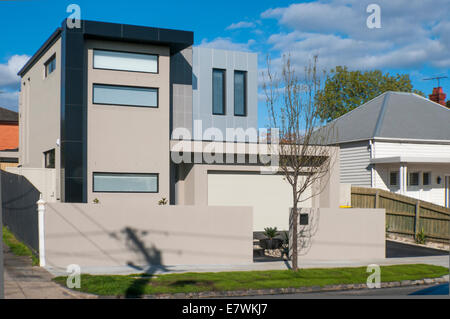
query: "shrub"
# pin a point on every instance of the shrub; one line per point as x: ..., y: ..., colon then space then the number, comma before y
x: 270, y: 232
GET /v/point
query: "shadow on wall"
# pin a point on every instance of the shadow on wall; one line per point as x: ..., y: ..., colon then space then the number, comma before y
x: 151, y: 256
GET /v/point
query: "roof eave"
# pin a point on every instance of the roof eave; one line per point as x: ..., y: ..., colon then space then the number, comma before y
x: 41, y: 51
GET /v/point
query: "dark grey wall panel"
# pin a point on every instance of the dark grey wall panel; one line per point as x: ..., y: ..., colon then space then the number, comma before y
x: 73, y: 116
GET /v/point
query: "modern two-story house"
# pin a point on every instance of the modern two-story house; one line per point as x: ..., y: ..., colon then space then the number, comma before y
x: 123, y: 112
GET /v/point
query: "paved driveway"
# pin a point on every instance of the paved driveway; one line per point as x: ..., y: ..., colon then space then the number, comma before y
x: 399, y: 250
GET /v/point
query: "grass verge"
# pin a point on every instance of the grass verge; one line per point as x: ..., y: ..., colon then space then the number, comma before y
x: 17, y: 247
x: 137, y: 285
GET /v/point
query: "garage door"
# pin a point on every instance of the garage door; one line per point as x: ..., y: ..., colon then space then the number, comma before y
x: 269, y: 195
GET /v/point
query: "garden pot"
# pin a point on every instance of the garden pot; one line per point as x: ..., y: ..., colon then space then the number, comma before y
x: 274, y: 243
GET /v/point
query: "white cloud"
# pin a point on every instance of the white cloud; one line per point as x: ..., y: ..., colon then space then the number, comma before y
x: 412, y: 34
x: 226, y: 44
x: 9, y: 81
x: 240, y: 25
x: 8, y: 71
x: 9, y: 100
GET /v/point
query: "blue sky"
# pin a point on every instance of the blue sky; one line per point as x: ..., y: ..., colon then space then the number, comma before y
x: 414, y: 37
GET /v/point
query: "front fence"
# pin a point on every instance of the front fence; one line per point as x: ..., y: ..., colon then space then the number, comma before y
x: 19, y: 199
x: 406, y: 215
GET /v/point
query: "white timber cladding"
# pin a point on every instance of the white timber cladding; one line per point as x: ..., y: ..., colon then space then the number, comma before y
x: 433, y: 192
x: 391, y: 149
x: 355, y: 163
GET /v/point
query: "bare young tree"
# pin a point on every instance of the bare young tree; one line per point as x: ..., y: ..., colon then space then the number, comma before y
x: 304, y: 157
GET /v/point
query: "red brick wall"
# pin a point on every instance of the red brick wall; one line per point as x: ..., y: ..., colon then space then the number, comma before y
x: 9, y: 136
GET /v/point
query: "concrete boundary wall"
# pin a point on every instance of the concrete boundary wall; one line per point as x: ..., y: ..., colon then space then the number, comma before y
x: 335, y: 234
x: 142, y: 234
x: 44, y: 179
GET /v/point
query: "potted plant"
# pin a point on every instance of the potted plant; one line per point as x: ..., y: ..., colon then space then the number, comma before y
x: 285, y: 246
x: 271, y: 242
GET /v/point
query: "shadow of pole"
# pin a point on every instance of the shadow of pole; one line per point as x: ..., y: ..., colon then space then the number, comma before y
x: 151, y: 256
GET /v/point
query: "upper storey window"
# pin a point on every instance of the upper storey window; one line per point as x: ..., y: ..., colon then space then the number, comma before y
x: 218, y: 91
x: 240, y: 93
x: 50, y: 65
x: 125, y: 61
x: 125, y: 95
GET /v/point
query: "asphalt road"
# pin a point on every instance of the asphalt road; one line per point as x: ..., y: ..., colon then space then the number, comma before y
x: 381, y: 292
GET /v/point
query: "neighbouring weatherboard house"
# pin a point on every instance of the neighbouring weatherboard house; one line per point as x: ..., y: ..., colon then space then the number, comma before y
x: 398, y: 142
x: 104, y: 107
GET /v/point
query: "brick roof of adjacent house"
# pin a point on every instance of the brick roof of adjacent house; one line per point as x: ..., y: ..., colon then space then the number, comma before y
x: 395, y: 115
x: 8, y: 115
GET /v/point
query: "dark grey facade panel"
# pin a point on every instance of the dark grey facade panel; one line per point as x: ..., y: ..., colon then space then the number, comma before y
x: 73, y: 116
x: 177, y: 40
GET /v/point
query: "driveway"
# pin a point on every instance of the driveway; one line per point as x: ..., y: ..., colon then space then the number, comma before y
x: 399, y: 250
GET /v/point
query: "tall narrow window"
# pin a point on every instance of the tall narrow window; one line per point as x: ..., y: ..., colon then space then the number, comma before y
x: 240, y: 93
x: 218, y: 91
x: 50, y: 65
x: 426, y: 178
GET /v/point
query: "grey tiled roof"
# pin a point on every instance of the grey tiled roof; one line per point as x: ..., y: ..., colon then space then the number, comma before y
x: 395, y: 115
x: 8, y: 115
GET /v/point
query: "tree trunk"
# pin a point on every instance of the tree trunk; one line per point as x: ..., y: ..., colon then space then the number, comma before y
x: 294, y: 237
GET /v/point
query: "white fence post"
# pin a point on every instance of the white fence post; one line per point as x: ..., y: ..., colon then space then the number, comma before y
x: 41, y: 211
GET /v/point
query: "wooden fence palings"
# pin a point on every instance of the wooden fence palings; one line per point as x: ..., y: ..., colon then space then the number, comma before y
x: 401, y: 212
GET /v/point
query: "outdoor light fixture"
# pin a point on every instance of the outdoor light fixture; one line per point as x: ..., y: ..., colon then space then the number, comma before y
x: 439, y: 180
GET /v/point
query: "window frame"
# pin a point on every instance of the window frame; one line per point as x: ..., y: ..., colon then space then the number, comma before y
x: 245, y: 92
x: 126, y: 192
x: 126, y: 86
x: 397, y: 179
x: 47, y: 64
x: 121, y: 70
x: 49, y: 152
x: 224, y: 91
x: 418, y: 179
x: 430, y: 178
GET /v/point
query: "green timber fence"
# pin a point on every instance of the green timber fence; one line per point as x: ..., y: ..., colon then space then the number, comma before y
x: 406, y: 215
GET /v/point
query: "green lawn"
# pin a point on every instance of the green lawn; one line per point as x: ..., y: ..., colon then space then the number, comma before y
x: 17, y: 247
x: 137, y: 285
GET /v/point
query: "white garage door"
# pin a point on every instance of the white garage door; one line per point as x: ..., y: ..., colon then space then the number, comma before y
x: 269, y: 195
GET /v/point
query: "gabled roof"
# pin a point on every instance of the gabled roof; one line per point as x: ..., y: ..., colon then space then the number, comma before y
x: 8, y: 115
x: 396, y: 115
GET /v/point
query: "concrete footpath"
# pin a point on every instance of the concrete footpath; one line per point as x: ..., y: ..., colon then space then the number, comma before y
x: 265, y: 265
x: 23, y: 281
